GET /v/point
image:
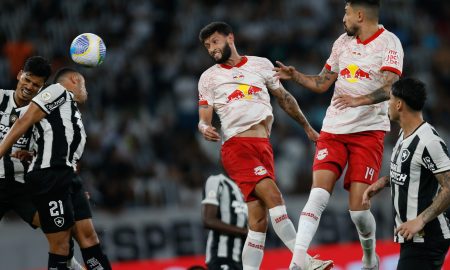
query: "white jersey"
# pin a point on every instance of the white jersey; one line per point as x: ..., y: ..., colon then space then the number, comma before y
x: 239, y: 94
x: 360, y: 66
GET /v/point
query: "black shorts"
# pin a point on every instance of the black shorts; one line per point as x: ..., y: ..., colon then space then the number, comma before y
x: 423, y: 256
x: 59, y: 198
x: 223, y: 264
x: 80, y: 202
x: 15, y: 196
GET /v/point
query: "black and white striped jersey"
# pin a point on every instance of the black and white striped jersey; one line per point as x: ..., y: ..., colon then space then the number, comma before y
x: 224, y: 193
x: 60, y: 136
x: 414, y: 163
x: 12, y: 168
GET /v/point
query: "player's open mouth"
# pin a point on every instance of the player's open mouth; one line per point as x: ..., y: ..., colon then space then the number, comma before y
x: 26, y: 92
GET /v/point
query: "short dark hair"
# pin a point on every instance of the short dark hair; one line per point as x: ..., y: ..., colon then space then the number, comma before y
x: 367, y: 3
x: 62, y: 72
x: 38, y: 66
x: 220, y: 27
x: 412, y: 91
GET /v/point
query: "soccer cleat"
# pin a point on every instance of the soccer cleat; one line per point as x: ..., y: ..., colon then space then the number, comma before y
x: 316, y: 264
x: 375, y: 267
x: 75, y: 265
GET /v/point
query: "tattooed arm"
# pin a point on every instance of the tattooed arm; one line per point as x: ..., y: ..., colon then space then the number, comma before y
x: 442, y: 200
x: 290, y: 105
x: 388, y: 78
x: 439, y: 205
x: 318, y: 83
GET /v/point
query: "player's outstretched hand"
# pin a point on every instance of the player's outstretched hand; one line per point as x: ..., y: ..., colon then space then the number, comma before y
x: 345, y: 101
x: 313, y: 135
x: 284, y: 72
x: 210, y: 133
x: 408, y: 229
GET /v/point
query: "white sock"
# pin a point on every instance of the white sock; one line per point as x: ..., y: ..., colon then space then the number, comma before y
x: 366, y: 227
x: 253, y: 251
x: 308, y: 223
x: 283, y: 226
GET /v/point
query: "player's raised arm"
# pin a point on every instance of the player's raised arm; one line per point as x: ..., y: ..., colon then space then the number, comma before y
x: 289, y: 104
x: 33, y: 114
x: 316, y: 83
x: 205, y: 113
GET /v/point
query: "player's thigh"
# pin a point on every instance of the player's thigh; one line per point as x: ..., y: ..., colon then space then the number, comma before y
x: 247, y: 161
x: 257, y: 215
x: 51, y: 196
x: 18, y: 199
x: 5, y: 205
x: 80, y: 201
x: 224, y: 264
x: 365, y: 157
x: 268, y: 192
x: 429, y: 256
x: 331, y: 155
x: 27, y: 211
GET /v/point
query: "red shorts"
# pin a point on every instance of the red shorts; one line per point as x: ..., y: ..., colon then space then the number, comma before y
x: 362, y: 151
x: 247, y: 161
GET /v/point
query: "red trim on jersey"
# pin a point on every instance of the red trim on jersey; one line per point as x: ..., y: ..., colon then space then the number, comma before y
x: 244, y: 60
x: 374, y: 36
x: 327, y: 66
x: 392, y: 69
x: 202, y: 102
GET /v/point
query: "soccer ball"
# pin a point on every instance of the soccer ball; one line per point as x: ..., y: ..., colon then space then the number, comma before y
x: 88, y: 50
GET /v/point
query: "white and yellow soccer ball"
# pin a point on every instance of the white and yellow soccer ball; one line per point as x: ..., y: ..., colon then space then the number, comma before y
x: 88, y: 50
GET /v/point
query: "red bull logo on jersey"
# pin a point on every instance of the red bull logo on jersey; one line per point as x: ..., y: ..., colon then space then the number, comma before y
x: 243, y: 92
x: 353, y: 73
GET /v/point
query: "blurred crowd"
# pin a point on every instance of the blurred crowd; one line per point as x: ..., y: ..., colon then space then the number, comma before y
x: 141, y: 117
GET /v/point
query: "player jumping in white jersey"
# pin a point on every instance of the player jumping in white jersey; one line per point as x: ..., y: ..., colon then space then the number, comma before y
x: 237, y: 89
x: 365, y: 61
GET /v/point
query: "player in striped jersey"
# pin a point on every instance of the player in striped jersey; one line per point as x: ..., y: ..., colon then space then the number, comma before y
x: 60, y: 137
x: 224, y: 212
x: 419, y: 180
x: 13, y: 192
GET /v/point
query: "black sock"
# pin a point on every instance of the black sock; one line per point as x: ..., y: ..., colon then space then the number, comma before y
x: 94, y: 257
x: 58, y: 262
x: 71, y: 248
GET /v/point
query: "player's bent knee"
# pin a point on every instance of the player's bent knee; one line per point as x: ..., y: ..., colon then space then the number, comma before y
x: 259, y: 225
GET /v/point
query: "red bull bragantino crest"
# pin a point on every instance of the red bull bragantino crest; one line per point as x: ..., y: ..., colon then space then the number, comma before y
x: 353, y: 73
x: 243, y: 92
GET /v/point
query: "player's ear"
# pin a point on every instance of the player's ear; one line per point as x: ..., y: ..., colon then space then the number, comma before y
x: 360, y: 13
x: 400, y: 105
x: 230, y: 38
x: 19, y: 74
x: 73, y: 78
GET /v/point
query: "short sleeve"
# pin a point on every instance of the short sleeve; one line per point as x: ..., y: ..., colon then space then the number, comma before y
x: 332, y: 63
x: 51, y: 98
x: 435, y: 157
x: 212, y: 190
x: 205, y: 90
x: 268, y: 74
x: 393, y: 56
